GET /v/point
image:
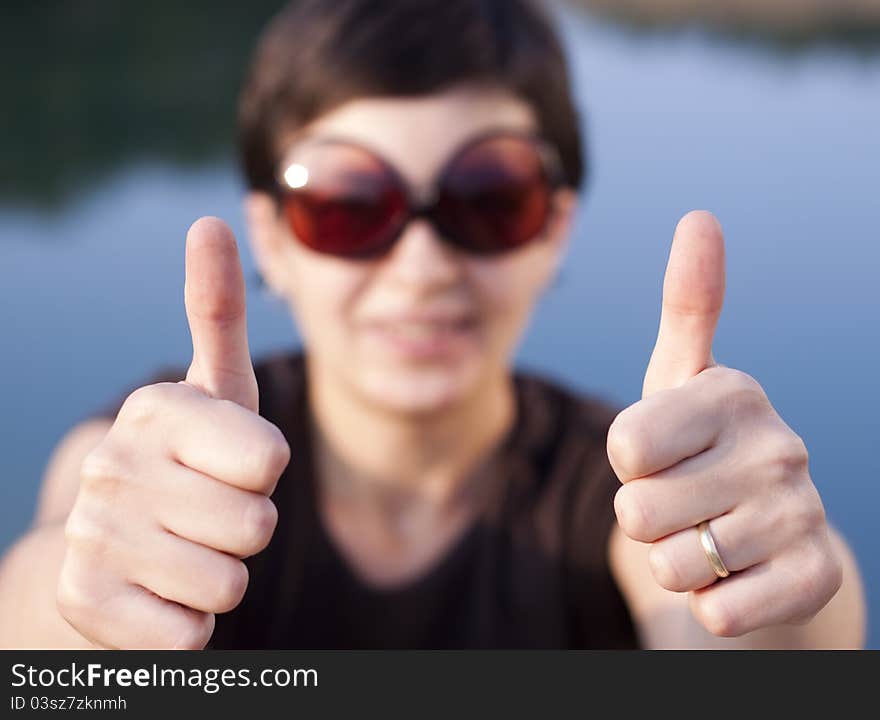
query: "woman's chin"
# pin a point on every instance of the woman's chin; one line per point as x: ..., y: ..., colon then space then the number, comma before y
x: 419, y: 390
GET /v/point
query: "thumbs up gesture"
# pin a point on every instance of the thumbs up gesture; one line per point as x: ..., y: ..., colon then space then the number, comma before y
x: 704, y: 445
x: 177, y: 494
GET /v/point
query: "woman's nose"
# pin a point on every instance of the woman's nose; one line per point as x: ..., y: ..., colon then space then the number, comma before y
x: 421, y: 259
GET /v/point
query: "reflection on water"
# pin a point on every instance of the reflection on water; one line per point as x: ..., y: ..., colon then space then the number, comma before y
x: 784, y: 149
x: 784, y: 24
x: 95, y: 83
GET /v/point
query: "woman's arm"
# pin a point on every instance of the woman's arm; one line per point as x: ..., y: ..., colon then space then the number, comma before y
x: 29, y: 616
x: 664, y: 620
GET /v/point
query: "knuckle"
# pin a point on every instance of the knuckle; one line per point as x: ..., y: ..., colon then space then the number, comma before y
x: 819, y: 577
x: 84, y: 532
x: 665, y: 568
x: 267, y: 457
x: 258, y: 525
x: 628, y: 446
x: 742, y: 393
x: 792, y: 451
x: 715, y: 615
x: 71, y: 596
x: 806, y: 514
x: 101, y: 472
x: 74, y: 527
x: 143, y: 405
x: 633, y: 514
x: 194, y: 633
x: 741, y: 384
x: 231, y: 583
x: 78, y: 593
x: 788, y: 459
x: 278, y: 452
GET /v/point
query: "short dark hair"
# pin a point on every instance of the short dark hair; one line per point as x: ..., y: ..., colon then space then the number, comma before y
x: 317, y: 54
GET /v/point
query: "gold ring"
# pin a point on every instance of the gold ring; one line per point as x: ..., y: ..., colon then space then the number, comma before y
x: 711, y: 550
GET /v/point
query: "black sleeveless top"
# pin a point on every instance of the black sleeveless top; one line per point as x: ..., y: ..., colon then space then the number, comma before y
x: 531, y: 572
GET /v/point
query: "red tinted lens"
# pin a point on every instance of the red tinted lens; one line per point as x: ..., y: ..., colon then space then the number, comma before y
x: 495, y: 195
x: 342, y: 200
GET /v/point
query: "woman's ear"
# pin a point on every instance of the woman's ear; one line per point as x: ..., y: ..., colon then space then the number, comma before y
x: 565, y: 204
x: 262, y: 220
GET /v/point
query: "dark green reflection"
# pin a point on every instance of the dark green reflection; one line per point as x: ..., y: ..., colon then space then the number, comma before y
x: 89, y: 84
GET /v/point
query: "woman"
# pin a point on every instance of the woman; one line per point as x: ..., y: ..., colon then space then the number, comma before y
x: 413, y: 173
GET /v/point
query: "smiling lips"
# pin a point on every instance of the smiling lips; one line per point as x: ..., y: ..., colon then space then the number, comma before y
x: 425, y: 337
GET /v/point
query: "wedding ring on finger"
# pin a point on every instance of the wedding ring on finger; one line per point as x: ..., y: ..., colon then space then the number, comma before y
x: 711, y: 550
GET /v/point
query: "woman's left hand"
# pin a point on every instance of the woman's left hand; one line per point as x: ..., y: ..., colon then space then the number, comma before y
x: 705, y: 444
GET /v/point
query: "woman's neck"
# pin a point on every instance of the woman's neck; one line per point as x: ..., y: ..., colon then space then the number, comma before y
x: 387, y: 460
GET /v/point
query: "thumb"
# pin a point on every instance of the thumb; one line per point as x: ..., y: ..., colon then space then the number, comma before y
x: 216, y: 311
x: 693, y: 293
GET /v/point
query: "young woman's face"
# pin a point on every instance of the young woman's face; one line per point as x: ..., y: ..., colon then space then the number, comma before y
x: 426, y: 325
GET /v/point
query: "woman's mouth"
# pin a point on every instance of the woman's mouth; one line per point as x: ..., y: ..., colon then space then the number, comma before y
x: 425, y: 338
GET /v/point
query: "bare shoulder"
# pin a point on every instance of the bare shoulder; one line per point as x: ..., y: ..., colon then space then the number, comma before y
x: 61, y: 477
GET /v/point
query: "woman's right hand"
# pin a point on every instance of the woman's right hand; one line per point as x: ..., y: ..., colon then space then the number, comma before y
x: 177, y: 494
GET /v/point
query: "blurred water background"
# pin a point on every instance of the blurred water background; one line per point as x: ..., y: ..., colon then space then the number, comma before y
x: 115, y: 134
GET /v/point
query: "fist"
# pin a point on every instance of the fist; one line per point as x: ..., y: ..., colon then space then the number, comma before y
x: 705, y: 445
x: 177, y: 494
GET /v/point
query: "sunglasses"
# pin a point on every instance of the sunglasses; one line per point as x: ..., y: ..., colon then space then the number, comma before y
x: 493, y: 195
